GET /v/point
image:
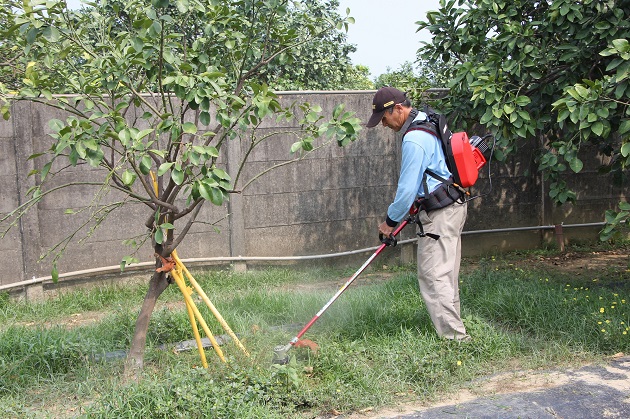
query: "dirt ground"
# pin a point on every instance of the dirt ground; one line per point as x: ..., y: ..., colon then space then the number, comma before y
x: 579, y: 263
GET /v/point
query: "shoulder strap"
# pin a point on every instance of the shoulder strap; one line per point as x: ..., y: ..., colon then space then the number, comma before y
x: 423, y: 126
x: 430, y: 127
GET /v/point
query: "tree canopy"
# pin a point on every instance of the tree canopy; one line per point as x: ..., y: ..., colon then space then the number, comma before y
x: 556, y: 71
x: 416, y: 77
x: 154, y: 101
x: 315, y: 64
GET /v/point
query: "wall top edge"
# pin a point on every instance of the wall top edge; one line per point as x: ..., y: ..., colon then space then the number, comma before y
x: 288, y: 92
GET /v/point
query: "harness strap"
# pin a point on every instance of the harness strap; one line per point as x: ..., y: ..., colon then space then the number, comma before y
x: 421, y: 128
x: 443, y: 196
x: 448, y: 192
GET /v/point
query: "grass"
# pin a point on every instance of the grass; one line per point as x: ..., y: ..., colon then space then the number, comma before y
x: 377, y: 345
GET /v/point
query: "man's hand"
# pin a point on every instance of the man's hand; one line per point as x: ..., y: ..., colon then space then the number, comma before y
x: 385, y: 230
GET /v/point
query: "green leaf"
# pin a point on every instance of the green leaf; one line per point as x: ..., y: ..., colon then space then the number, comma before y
x: 31, y: 35
x: 210, y: 192
x: 189, y: 128
x: 177, y: 176
x: 581, y: 91
x: 127, y: 260
x: 216, y: 196
x: 211, y: 151
x: 51, y: 33
x: 296, y: 146
x: 94, y: 157
x: 164, y: 167
x: 143, y: 133
x: 621, y: 45
x: 221, y: 174
x: 576, y: 165
x: 159, y: 4
x: 597, y: 128
x: 625, y: 149
x: 337, y: 111
x: 159, y: 236
x: 55, y: 125
x: 204, y: 118
x: 204, y: 190
x: 124, y: 136
x: 156, y: 28
x: 137, y: 43
x: 45, y: 170
x: 523, y: 100
x: 348, y: 127
x: 54, y: 273
x: 145, y: 165
x: 312, y: 117
x: 129, y: 177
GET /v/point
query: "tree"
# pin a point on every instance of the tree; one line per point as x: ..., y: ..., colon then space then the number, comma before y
x: 320, y: 65
x: 416, y: 78
x: 405, y: 79
x: 551, y: 70
x: 357, y: 77
x: 10, y: 74
x: 158, y: 74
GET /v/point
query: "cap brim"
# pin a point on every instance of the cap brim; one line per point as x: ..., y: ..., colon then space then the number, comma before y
x: 375, y: 119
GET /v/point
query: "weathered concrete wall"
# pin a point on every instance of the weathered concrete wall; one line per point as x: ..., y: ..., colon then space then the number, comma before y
x: 331, y: 201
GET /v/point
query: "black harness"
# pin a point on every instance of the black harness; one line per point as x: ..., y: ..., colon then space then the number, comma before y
x: 448, y: 192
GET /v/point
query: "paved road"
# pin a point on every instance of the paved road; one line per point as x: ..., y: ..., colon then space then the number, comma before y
x: 589, y: 392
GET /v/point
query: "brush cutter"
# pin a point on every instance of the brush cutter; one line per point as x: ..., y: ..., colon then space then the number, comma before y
x: 280, y: 352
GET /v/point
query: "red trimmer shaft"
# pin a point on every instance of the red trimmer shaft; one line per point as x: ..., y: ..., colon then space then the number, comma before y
x: 281, y: 351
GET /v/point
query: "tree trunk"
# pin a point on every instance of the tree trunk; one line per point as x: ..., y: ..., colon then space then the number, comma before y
x: 135, y: 359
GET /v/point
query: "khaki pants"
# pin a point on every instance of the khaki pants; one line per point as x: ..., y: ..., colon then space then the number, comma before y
x: 438, y: 268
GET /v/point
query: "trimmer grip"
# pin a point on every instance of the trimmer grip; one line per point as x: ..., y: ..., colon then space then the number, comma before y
x: 388, y: 241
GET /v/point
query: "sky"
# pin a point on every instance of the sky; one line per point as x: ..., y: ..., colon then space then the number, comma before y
x: 384, y: 32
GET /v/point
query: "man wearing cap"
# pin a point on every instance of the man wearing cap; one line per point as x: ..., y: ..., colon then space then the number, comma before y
x: 438, y: 259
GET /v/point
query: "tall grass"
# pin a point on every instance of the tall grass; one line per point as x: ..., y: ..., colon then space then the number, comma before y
x: 377, y: 344
x: 581, y: 313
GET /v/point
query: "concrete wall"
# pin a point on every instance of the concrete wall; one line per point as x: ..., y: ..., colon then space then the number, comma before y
x: 331, y: 201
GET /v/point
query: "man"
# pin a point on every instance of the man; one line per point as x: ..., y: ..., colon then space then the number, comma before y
x: 438, y: 259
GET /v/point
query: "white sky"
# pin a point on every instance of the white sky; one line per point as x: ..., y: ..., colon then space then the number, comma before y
x: 384, y: 31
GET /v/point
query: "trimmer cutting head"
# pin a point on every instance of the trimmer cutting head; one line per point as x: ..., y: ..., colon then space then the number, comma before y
x: 281, y: 354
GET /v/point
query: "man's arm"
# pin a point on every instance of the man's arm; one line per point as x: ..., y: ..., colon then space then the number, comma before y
x: 414, y: 163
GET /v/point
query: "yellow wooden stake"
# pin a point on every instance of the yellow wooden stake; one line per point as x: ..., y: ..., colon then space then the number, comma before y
x: 182, y: 286
x: 193, y: 323
x: 211, y: 306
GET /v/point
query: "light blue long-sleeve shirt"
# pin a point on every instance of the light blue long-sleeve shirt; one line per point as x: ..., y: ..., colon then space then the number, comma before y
x: 420, y: 151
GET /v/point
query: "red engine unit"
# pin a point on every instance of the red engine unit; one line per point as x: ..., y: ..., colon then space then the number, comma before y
x: 467, y: 158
